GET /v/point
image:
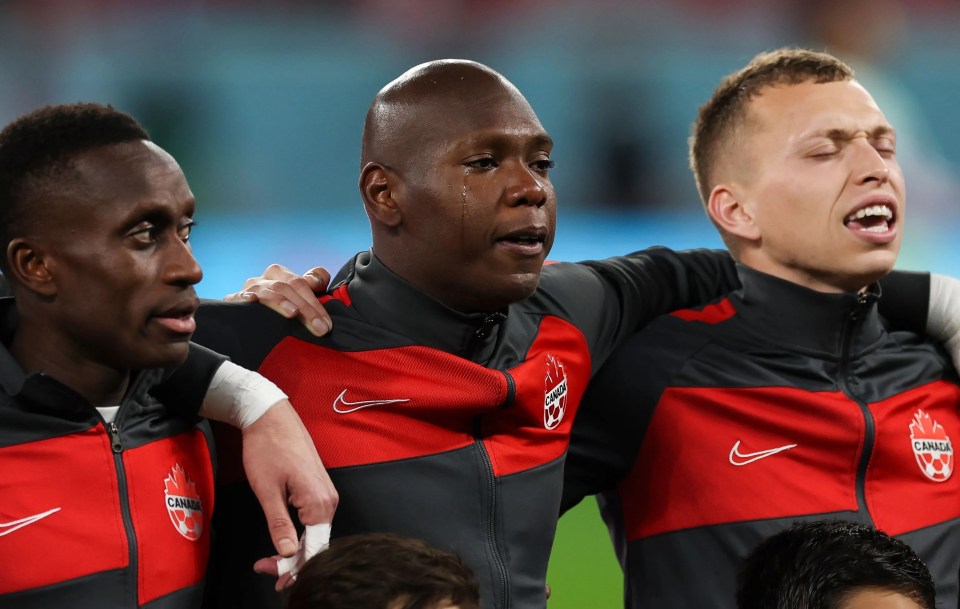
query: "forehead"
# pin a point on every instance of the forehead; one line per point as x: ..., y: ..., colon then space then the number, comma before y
x: 497, y: 113
x: 127, y: 166
x: 878, y: 598
x: 120, y: 178
x: 809, y: 107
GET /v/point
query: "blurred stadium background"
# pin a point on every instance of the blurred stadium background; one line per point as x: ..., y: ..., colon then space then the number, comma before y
x: 263, y: 102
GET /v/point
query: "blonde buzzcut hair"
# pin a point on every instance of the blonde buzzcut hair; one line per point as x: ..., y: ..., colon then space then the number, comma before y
x: 725, y: 112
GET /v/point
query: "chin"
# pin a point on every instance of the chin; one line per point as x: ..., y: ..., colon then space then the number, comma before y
x: 168, y: 356
x: 524, y: 286
x: 177, y: 354
x: 860, y: 267
x: 858, y: 281
x: 501, y: 296
x: 879, y: 265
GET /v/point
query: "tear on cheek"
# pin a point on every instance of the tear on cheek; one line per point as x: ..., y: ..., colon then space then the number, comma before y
x: 463, y: 207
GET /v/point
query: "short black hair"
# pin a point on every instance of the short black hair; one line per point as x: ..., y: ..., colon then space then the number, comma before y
x: 36, y: 150
x: 381, y: 571
x: 818, y: 565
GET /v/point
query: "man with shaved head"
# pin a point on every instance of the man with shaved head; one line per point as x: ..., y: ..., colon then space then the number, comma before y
x: 407, y: 139
x: 442, y: 400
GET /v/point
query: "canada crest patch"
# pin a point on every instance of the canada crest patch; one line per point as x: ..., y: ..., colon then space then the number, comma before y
x: 931, y: 446
x: 183, y: 503
x: 555, y: 393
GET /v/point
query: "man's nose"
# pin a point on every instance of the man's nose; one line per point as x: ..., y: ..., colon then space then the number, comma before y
x: 182, y: 268
x: 526, y: 187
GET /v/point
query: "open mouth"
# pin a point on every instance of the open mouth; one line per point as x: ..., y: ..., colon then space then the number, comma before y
x: 527, y: 242
x: 531, y: 234
x: 524, y: 239
x: 878, y: 218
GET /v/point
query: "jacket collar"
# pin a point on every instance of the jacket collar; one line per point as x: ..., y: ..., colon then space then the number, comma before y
x: 798, y: 316
x: 388, y: 300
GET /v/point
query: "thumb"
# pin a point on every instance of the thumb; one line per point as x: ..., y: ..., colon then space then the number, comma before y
x: 282, y: 531
x: 267, y: 566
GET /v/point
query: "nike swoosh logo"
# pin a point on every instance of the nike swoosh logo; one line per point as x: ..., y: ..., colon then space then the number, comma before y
x: 747, y: 458
x: 342, y: 406
x: 9, y: 527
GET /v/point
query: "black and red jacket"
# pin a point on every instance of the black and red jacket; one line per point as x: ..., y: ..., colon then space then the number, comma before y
x: 716, y: 427
x: 441, y: 425
x: 96, y: 515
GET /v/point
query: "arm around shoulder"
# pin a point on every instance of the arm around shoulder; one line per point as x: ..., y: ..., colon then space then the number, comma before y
x: 658, y: 280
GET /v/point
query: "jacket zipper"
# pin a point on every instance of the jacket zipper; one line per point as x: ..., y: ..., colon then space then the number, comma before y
x: 491, y: 529
x: 117, y: 446
x: 490, y: 533
x: 846, y: 383
x: 486, y: 327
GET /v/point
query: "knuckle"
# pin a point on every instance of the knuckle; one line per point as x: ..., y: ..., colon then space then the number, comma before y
x: 277, y: 271
x: 299, y: 283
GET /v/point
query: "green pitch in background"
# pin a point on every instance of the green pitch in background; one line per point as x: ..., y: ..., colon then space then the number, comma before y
x: 584, y: 572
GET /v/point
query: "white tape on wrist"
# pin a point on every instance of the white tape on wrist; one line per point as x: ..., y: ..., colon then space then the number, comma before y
x: 239, y: 396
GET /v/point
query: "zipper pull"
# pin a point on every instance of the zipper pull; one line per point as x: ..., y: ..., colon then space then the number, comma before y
x: 114, y: 432
x: 489, y: 323
x: 864, y: 299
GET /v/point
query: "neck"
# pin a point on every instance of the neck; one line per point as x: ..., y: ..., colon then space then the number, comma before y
x: 827, y: 282
x: 58, y: 357
x: 412, y: 274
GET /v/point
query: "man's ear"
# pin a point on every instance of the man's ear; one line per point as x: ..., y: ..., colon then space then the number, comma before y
x: 30, y: 268
x: 377, y: 187
x: 728, y: 211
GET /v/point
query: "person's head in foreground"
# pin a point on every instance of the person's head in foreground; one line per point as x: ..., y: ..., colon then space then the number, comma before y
x: 797, y: 168
x: 94, y: 225
x: 454, y: 178
x: 384, y: 571
x: 834, y: 565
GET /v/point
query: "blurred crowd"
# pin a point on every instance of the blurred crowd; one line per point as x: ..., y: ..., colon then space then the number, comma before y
x: 262, y: 101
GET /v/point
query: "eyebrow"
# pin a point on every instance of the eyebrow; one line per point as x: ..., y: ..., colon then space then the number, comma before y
x: 157, y: 213
x: 540, y: 140
x: 544, y: 141
x: 848, y: 134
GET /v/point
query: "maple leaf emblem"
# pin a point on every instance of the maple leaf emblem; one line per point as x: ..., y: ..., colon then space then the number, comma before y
x: 183, y: 503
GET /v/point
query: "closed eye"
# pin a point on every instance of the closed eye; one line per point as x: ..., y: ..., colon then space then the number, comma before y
x: 885, y: 146
x: 823, y: 152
